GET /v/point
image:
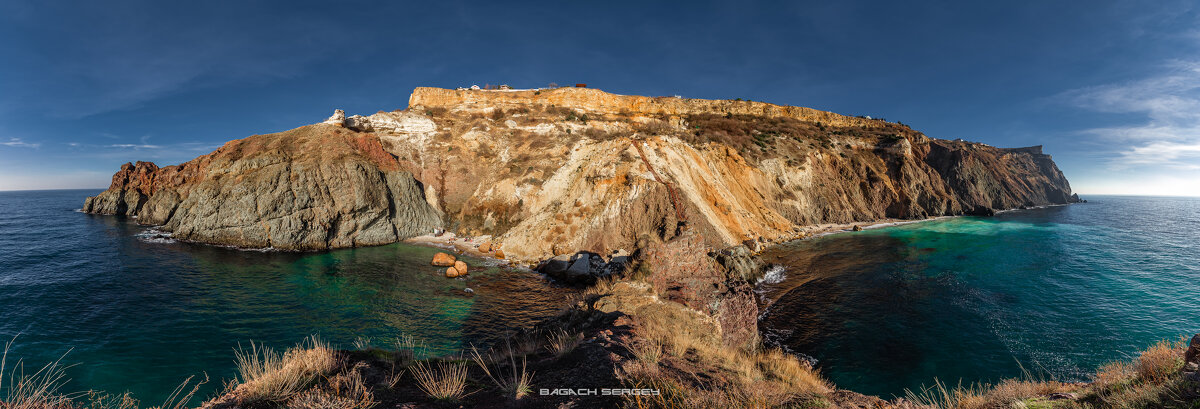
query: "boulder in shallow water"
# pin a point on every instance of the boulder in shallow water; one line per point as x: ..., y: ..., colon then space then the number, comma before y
x: 461, y: 267
x: 451, y: 272
x: 499, y: 254
x: 443, y: 260
x: 856, y: 228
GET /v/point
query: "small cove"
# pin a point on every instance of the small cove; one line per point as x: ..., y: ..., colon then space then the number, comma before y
x: 1057, y: 291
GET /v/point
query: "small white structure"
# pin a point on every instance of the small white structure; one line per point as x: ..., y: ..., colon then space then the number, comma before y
x: 475, y: 87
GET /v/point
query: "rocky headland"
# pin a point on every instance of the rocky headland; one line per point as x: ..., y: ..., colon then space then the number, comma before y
x: 555, y: 171
x: 659, y: 204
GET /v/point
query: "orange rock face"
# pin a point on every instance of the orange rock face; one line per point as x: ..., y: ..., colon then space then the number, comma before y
x: 486, y: 247
x: 443, y: 260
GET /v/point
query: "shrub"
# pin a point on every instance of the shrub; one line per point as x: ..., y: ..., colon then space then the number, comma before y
x: 1159, y: 362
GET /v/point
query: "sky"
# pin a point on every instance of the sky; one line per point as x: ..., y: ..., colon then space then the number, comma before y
x: 1110, y: 88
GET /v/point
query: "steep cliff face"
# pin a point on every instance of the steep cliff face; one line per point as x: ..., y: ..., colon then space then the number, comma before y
x: 310, y: 188
x: 556, y: 171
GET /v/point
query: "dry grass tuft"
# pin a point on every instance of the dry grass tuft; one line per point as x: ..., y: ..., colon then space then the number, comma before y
x: 445, y: 380
x: 780, y: 365
x: 36, y: 390
x: 1113, y: 374
x: 344, y: 391
x: 101, y: 400
x: 516, y: 384
x: 649, y: 352
x: 603, y: 287
x: 562, y: 342
x: 179, y: 399
x: 41, y: 390
x: 940, y: 396
x: 267, y: 376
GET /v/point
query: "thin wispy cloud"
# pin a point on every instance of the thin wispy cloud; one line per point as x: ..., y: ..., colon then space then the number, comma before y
x: 18, y: 143
x: 133, y: 146
x: 1170, y: 104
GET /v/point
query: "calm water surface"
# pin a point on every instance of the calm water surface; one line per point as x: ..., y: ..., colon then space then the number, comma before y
x: 142, y: 314
x: 1058, y: 290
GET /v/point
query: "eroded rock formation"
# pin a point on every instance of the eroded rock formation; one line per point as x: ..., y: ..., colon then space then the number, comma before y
x: 553, y: 172
x: 310, y: 188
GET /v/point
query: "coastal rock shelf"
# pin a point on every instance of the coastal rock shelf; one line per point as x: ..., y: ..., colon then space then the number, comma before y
x: 556, y: 171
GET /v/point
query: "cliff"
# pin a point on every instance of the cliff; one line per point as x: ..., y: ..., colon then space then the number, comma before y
x: 552, y: 172
x: 315, y: 187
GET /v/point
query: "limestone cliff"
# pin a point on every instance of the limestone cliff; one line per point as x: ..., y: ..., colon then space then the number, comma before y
x: 550, y: 172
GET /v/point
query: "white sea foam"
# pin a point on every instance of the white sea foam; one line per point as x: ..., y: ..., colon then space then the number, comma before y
x: 156, y: 236
x: 774, y: 275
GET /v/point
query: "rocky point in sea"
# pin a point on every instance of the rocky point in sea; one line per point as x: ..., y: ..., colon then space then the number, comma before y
x: 550, y: 173
x: 661, y: 203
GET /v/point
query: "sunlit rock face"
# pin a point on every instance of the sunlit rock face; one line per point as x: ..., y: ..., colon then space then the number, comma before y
x: 555, y: 171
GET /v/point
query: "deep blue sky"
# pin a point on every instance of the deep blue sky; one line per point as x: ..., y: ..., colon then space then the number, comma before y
x: 1112, y: 89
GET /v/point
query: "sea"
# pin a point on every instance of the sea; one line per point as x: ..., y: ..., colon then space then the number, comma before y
x: 1047, y: 293
x: 1051, y: 292
x: 130, y: 310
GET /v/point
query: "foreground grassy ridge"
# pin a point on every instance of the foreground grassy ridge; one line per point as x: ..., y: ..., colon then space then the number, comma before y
x: 656, y: 345
x: 679, y: 352
x: 1154, y: 379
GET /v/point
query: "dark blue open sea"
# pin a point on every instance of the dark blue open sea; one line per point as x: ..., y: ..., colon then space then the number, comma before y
x: 1058, y: 291
x: 139, y: 313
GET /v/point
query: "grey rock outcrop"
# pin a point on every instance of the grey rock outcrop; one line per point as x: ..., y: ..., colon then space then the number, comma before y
x: 312, y: 188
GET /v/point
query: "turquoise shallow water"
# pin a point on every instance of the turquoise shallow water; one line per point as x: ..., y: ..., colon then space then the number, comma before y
x: 140, y: 314
x: 1058, y: 291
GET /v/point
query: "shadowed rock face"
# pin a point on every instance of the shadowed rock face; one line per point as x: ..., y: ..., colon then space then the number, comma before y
x: 558, y: 171
x: 311, y: 188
